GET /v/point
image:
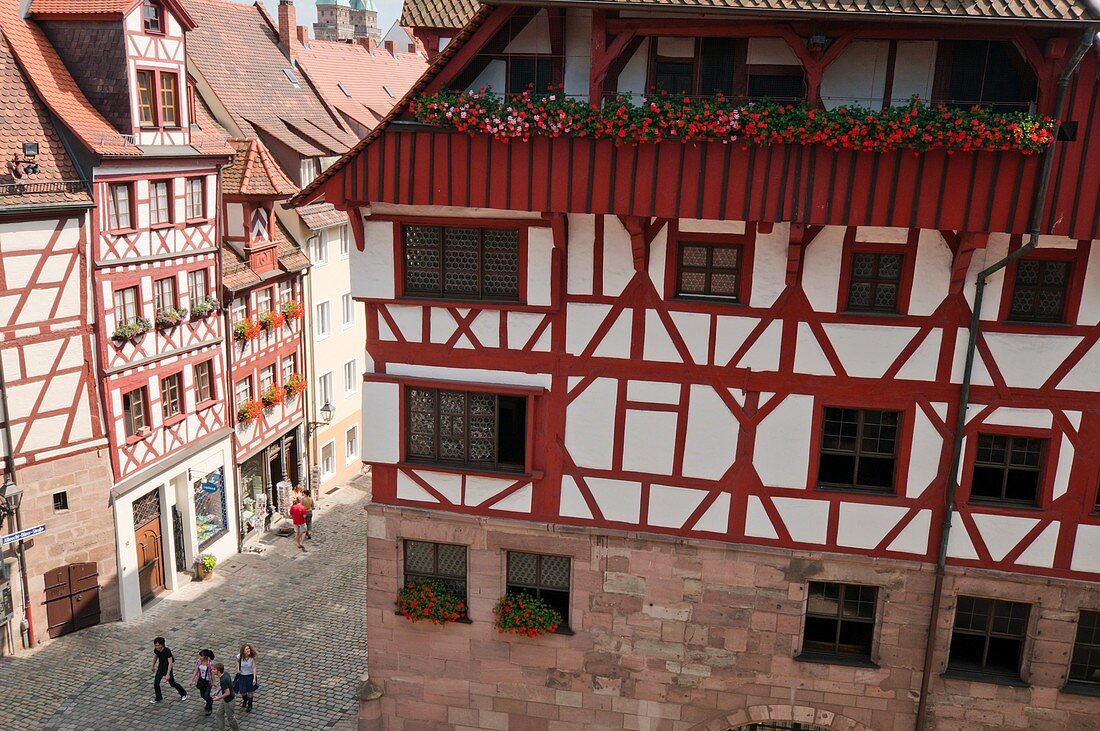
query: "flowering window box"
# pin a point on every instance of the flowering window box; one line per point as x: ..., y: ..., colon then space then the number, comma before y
x: 170, y: 318
x: 131, y: 331
x: 245, y: 330
x: 273, y: 395
x: 271, y: 320
x: 293, y: 310
x: 523, y: 614
x: 249, y: 411
x: 429, y: 600
x: 295, y: 384
x: 204, y: 307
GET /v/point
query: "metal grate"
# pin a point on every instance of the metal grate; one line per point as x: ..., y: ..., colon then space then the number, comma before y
x: 146, y: 509
x: 45, y: 186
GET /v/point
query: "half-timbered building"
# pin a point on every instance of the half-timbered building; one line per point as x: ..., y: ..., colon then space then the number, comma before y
x: 686, y: 347
x: 114, y: 75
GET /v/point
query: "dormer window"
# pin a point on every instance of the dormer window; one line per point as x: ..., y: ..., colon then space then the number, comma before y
x: 152, y: 16
x: 147, y: 111
x: 158, y: 98
x: 169, y: 100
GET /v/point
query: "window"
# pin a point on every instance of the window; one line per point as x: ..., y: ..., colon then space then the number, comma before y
x: 840, y: 620
x: 160, y: 203
x: 529, y: 72
x: 263, y: 300
x: 126, y: 305
x: 196, y: 285
x: 169, y: 99
x: 441, y: 561
x: 983, y: 72
x: 348, y: 307
x: 267, y: 377
x: 462, y: 263
x: 874, y: 283
x: 1039, y: 291
x: 351, y: 444
x: 293, y: 79
x: 340, y: 85
x: 147, y: 111
x: 779, y: 82
x: 118, y: 206
x: 708, y: 270
x: 988, y: 636
x: 170, y: 395
x: 164, y: 294
x: 544, y: 577
x: 134, y: 413
x: 60, y: 501
x: 323, y: 326
x: 240, y: 309
x: 1084, y: 666
x: 711, y: 66
x: 324, y: 388
x: 286, y: 292
x: 1007, y: 468
x: 345, y: 242
x: 196, y: 198
x: 320, y: 249
x: 204, y: 381
x: 328, y: 460
x: 151, y: 17
x: 243, y: 391
x: 466, y: 428
x: 288, y: 368
x: 858, y: 449
x: 349, y: 378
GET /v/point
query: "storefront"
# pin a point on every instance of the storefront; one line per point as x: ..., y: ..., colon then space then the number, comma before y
x: 260, y: 474
x: 211, y: 519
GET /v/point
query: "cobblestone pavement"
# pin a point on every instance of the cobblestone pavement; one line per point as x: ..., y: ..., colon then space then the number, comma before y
x: 304, y: 613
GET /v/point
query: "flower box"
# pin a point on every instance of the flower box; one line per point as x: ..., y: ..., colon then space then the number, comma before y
x: 249, y: 411
x: 246, y: 329
x: 130, y: 331
x: 429, y: 600
x: 271, y: 320
x: 293, y: 310
x: 170, y: 318
x: 523, y: 614
x: 295, y: 384
x: 273, y: 395
x: 204, y: 307
x: 204, y: 566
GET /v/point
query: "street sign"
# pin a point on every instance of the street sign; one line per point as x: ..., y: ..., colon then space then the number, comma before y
x: 210, y: 487
x: 21, y: 535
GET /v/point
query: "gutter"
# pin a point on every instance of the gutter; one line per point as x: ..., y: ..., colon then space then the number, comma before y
x: 45, y: 208
x: 1038, y: 205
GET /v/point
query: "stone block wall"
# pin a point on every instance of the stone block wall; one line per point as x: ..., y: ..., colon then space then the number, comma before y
x: 686, y: 635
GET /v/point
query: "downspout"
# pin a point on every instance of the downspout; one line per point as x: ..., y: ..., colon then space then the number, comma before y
x: 9, y: 468
x: 1038, y: 206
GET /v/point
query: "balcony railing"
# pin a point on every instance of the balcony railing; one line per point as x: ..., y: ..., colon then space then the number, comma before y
x: 45, y: 186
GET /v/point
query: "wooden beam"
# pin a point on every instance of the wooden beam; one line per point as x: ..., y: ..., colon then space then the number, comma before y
x: 605, y: 53
x: 968, y: 243
x: 473, y: 46
x: 743, y: 29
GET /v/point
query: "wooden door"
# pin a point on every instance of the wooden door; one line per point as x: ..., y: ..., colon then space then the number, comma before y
x: 150, y: 565
x: 72, y: 598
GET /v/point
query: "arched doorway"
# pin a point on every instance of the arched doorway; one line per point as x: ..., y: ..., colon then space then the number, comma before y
x: 781, y: 717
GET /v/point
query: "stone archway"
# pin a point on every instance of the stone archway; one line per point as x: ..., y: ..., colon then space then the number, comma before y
x: 779, y: 716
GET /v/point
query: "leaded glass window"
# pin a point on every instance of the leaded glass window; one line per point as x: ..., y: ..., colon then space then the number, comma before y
x: 451, y: 262
x: 544, y: 577
x: 468, y: 428
x: 443, y: 561
x: 1039, y: 293
x: 874, y: 282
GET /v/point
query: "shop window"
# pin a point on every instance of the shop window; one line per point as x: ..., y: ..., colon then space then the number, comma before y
x: 171, y: 396
x: 1084, y: 665
x: 160, y: 203
x: 992, y: 73
x: 1039, y: 290
x: 544, y: 577
x: 126, y: 305
x: 164, y: 294
x: 840, y: 621
x: 119, y: 206
x: 204, y: 381
x: 858, y: 449
x: 710, y: 270
x: 210, y: 508
x: 471, y: 429
x: 135, y: 412
x: 196, y: 198
x: 449, y: 262
x: 874, y: 282
x: 988, y: 637
x: 254, y: 497
x: 441, y: 561
x: 1007, y: 469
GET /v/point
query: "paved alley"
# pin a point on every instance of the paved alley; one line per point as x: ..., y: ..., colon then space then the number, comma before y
x: 303, y: 612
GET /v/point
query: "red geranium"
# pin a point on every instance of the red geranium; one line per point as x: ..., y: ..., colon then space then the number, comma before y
x: 523, y: 614
x: 431, y: 600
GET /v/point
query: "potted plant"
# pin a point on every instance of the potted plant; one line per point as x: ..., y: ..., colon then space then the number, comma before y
x: 130, y: 331
x: 249, y: 411
x: 272, y: 319
x: 523, y: 614
x: 204, y: 307
x: 274, y: 394
x: 204, y: 566
x: 295, y: 384
x: 245, y: 330
x: 429, y: 600
x: 293, y: 310
x: 169, y: 317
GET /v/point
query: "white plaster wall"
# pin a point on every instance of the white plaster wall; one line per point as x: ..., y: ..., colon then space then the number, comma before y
x: 467, y: 375
x: 632, y: 80
x: 931, y: 273
x: 807, y: 520
x: 694, y: 329
x: 579, y: 254
x: 534, y: 38
x: 1086, y: 549
x: 711, y: 441
x: 540, y: 247
x: 590, y: 422
x: 864, y: 525
x: 618, y: 257
x: 808, y: 355
x: 578, y: 51
x: 1089, y: 313
x: 658, y: 251
x: 924, y: 459
x: 867, y: 351
x: 783, y: 443
x: 857, y: 76
x: 649, y: 441
x: 234, y: 219
x: 1027, y: 361
x: 821, y: 265
x: 769, y: 265
x: 618, y: 500
x: 914, y: 71
x: 381, y: 415
x: 670, y: 507
x: 706, y: 225
x: 493, y: 77
x: 372, y: 270
x: 772, y: 51
x: 582, y: 321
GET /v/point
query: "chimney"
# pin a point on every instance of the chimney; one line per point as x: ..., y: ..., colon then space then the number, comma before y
x: 287, y: 24
x: 368, y: 43
x: 303, y: 35
x: 390, y: 49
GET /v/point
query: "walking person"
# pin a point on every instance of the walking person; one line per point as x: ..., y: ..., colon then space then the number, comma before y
x: 298, y: 517
x: 203, y: 680
x: 162, y: 668
x: 223, y: 698
x: 247, y: 678
x: 309, y: 504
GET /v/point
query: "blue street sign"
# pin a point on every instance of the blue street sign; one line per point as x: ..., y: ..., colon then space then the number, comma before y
x: 210, y: 487
x: 21, y: 535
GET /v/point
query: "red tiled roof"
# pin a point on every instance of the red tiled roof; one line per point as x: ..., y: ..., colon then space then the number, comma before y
x: 236, y: 51
x: 23, y: 118
x: 56, y: 87
x: 438, y: 13
x: 238, y: 275
x: 321, y: 215
x: 255, y: 172
x: 47, y: 8
x: 360, y: 84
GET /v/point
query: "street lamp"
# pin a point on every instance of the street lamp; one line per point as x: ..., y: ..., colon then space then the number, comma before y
x: 327, y: 412
x: 11, y: 496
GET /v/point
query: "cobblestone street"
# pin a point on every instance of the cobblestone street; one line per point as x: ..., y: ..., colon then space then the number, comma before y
x: 303, y: 612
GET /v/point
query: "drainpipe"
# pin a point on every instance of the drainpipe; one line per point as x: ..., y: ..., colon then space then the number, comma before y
x: 1038, y: 206
x: 27, y: 630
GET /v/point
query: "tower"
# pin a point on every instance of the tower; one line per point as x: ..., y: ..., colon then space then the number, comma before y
x: 346, y: 20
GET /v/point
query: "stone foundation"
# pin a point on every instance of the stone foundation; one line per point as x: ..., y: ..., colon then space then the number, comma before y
x: 690, y: 635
